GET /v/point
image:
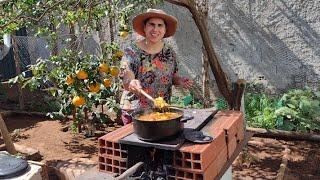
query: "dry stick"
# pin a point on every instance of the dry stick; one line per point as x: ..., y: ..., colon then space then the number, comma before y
x: 205, y: 77
x: 75, y: 118
x: 102, y: 108
x: 86, y: 119
x: 6, y: 137
x: 284, y: 163
x: 259, y: 132
x: 24, y: 113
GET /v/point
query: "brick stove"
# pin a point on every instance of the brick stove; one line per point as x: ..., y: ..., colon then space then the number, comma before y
x: 182, y: 160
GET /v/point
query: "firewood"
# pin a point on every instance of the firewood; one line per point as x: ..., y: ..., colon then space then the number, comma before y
x: 6, y: 137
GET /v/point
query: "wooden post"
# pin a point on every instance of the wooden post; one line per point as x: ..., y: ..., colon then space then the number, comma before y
x: 18, y: 71
x: 205, y: 78
x: 237, y: 93
x: 6, y: 137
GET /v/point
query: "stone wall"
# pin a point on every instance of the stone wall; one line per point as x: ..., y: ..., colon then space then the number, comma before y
x: 277, y: 42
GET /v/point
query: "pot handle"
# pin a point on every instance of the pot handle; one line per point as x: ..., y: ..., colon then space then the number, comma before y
x: 186, y: 118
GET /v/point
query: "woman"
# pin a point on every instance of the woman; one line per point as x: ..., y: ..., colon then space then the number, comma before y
x: 150, y: 64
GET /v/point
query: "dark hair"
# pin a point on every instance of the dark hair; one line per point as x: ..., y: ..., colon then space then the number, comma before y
x: 145, y: 21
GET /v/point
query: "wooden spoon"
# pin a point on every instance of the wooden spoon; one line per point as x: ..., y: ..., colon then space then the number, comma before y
x: 146, y: 95
x: 153, y: 100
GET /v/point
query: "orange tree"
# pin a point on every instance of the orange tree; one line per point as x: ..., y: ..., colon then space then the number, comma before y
x: 78, y: 80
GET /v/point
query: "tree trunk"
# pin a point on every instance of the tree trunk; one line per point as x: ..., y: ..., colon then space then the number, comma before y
x: 221, y: 78
x: 18, y: 70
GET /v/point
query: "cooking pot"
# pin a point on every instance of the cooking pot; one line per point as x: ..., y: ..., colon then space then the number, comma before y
x: 158, y: 130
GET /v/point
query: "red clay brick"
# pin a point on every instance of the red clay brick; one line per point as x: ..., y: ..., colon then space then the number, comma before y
x: 201, y: 154
x: 112, y: 164
x: 231, y: 122
x: 208, y: 174
x: 192, y: 161
x: 109, y: 142
x: 232, y: 145
x: 241, y: 130
x: 112, y: 155
x: 226, y: 125
x: 114, y: 136
x: 233, y: 127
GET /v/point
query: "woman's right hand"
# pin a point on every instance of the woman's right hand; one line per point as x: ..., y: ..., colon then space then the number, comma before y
x: 134, y: 86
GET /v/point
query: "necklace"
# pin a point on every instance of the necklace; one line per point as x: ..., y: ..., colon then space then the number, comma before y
x: 152, y: 46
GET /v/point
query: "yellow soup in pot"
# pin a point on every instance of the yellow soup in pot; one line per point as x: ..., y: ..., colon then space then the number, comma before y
x: 159, y: 116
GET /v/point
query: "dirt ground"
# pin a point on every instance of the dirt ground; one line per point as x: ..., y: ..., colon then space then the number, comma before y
x: 47, y: 136
x: 263, y: 156
x: 261, y: 160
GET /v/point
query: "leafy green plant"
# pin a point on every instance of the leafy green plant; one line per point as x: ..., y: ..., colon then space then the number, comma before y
x: 260, y: 110
x: 221, y: 104
x: 75, y: 78
x: 300, y: 110
x: 188, y: 101
x: 295, y: 110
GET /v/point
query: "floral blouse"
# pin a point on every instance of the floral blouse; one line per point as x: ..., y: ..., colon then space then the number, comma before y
x: 154, y: 71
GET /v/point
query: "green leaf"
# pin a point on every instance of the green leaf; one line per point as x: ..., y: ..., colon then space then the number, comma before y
x: 291, y: 106
x: 13, y: 80
x: 279, y: 121
x: 187, y: 100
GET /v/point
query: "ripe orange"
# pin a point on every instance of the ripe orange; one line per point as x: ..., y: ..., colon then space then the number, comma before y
x: 123, y: 34
x: 78, y: 101
x: 81, y: 74
x: 119, y: 54
x: 69, y: 80
x: 94, y: 87
x: 114, y: 71
x: 107, y: 82
x: 103, y: 67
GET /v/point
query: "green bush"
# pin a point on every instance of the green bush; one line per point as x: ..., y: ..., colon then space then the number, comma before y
x: 260, y: 110
x: 299, y: 111
x: 295, y: 110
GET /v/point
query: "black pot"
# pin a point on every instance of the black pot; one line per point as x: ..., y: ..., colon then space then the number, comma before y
x: 158, y: 130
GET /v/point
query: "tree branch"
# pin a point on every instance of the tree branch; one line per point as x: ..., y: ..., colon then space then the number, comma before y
x: 21, y: 17
x: 179, y: 3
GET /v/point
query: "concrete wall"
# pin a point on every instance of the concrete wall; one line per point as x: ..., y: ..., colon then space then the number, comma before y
x: 277, y: 41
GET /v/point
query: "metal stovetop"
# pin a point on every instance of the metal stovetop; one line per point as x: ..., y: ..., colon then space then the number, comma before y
x: 201, y: 118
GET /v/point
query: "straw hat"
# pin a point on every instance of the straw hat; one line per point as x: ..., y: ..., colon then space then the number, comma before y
x: 139, y: 20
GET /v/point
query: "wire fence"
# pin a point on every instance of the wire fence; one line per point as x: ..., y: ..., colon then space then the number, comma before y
x: 32, y: 48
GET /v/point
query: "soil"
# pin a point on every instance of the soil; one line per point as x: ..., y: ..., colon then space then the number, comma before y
x: 261, y: 159
x: 263, y: 156
x: 49, y: 138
